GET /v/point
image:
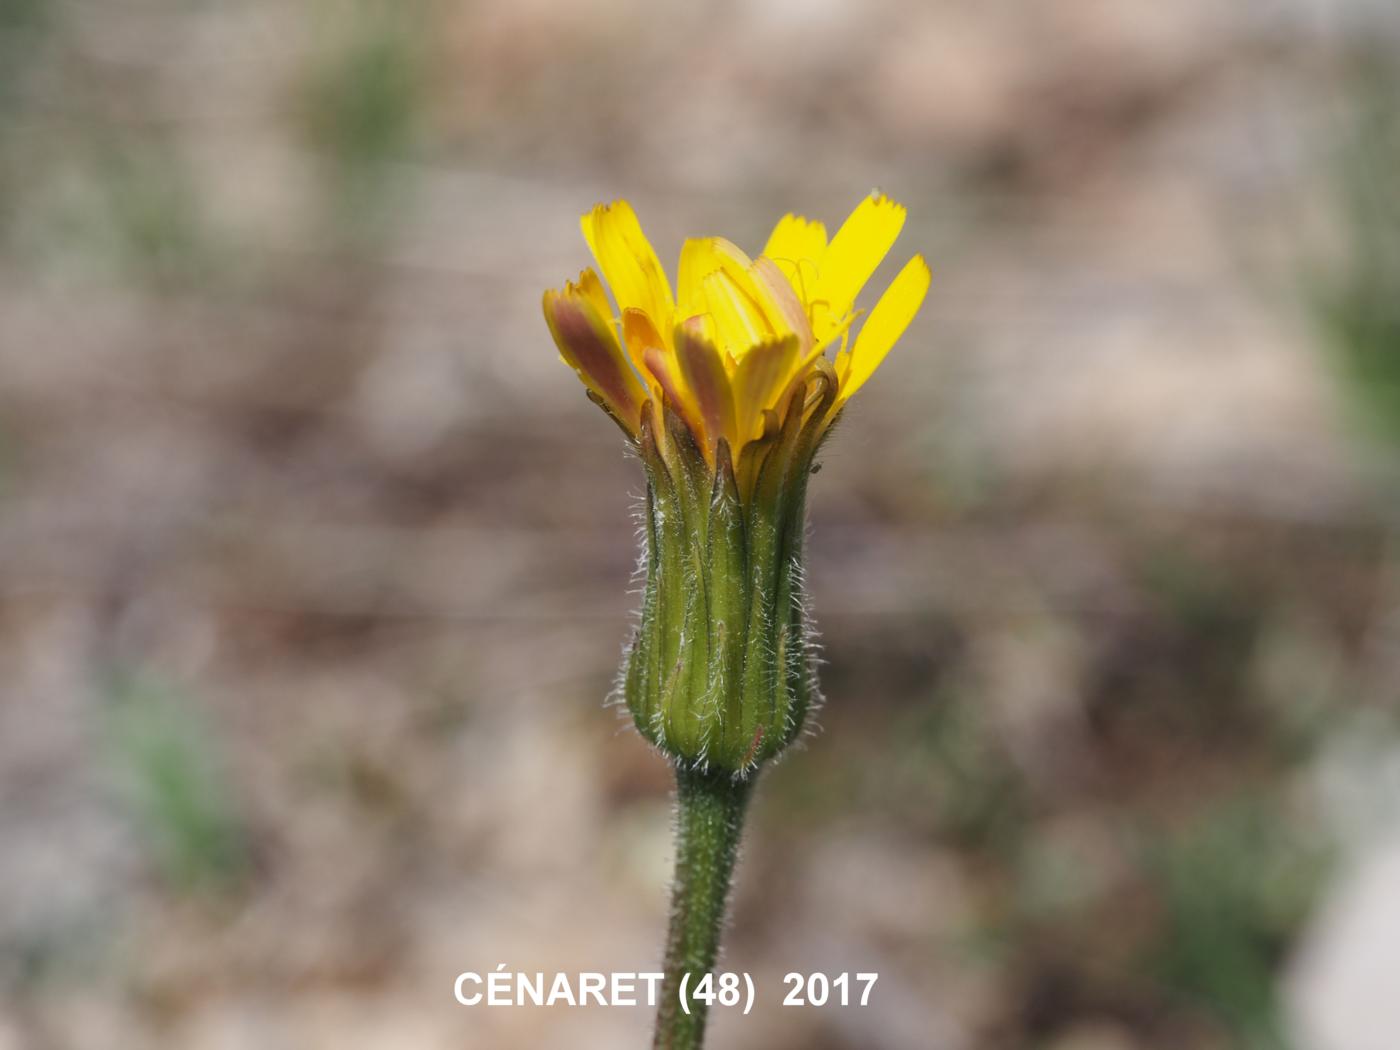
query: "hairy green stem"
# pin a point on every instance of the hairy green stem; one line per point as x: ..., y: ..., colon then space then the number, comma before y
x: 709, y: 820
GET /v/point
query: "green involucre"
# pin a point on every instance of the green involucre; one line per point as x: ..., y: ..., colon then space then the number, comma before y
x: 720, y: 674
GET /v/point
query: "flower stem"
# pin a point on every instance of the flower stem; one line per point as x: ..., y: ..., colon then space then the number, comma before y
x: 709, y: 820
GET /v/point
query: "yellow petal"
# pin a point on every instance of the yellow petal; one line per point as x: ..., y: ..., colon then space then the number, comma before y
x: 738, y: 315
x: 668, y: 376
x: 853, y: 255
x: 783, y: 296
x: 591, y: 288
x: 640, y: 335
x: 663, y: 368
x: 752, y: 301
x: 589, y: 345
x: 743, y: 301
x: 796, y: 245
x: 703, y: 368
x: 628, y: 260
x: 763, y: 373
x: 697, y: 262
x: 884, y: 326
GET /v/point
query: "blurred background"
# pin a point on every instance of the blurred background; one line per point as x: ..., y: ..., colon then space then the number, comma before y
x: 314, y: 560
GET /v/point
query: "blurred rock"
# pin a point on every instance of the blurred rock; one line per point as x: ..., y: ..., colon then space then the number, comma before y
x: 1342, y: 981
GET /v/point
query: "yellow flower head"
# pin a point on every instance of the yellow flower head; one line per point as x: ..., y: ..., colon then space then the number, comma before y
x: 740, y: 339
x: 725, y: 389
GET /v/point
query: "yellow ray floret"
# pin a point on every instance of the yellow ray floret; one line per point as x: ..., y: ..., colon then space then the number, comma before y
x: 728, y: 350
x: 588, y: 344
x: 884, y: 326
x: 796, y: 245
x: 627, y: 259
x: 853, y: 255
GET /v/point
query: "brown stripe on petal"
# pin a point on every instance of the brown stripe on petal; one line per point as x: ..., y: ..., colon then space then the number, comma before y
x: 640, y: 335
x: 705, y: 374
x: 658, y: 365
x: 587, y: 342
x: 663, y: 367
x: 767, y: 274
